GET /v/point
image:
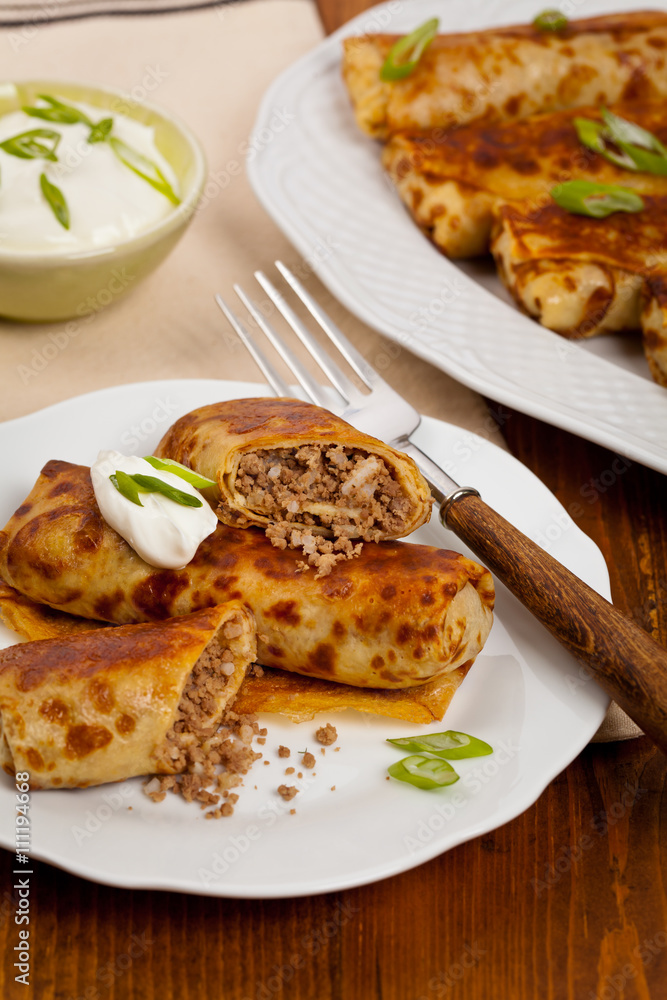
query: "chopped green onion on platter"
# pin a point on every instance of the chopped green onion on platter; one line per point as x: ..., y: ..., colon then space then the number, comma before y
x: 450, y: 744
x: 424, y: 772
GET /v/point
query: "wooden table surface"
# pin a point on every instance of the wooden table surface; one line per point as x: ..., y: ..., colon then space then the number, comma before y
x: 566, y: 901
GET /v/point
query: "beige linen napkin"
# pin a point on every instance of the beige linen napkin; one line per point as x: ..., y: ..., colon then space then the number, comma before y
x: 211, y: 67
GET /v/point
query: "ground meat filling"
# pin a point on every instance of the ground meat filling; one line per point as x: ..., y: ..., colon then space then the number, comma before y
x: 323, y: 490
x: 209, y: 754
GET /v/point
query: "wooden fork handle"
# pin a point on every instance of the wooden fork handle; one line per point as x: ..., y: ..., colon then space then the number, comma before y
x: 625, y: 661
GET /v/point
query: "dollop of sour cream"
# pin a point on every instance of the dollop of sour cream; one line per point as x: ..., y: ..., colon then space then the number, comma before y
x: 166, y: 534
x: 108, y: 202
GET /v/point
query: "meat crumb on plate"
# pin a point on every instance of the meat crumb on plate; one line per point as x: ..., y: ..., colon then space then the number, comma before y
x: 287, y: 792
x: 326, y: 734
x: 210, y: 764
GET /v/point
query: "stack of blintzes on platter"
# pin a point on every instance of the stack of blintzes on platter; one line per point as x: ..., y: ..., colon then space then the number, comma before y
x: 544, y: 144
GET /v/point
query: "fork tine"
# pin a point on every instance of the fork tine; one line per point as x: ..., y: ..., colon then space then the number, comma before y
x: 279, y: 386
x: 308, y: 383
x: 336, y: 375
x: 356, y: 360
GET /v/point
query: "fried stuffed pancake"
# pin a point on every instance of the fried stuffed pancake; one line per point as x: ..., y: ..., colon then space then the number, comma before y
x: 453, y: 182
x: 654, y: 326
x: 310, y: 479
x: 267, y: 689
x: 508, y: 73
x: 582, y: 276
x: 114, y: 703
x: 398, y: 615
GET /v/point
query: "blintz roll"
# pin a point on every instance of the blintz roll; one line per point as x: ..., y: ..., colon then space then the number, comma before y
x: 397, y: 616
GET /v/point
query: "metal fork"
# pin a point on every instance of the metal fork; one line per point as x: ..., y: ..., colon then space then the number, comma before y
x: 627, y: 663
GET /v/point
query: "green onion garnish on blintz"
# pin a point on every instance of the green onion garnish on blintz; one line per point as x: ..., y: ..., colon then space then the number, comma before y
x: 596, y: 200
x: 551, y: 20
x: 623, y: 143
x: 404, y: 55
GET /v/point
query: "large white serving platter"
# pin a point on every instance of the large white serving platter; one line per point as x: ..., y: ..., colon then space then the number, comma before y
x: 321, y: 180
x: 524, y: 695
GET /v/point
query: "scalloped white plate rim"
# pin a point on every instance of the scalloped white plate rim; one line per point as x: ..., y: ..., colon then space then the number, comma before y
x: 525, y: 694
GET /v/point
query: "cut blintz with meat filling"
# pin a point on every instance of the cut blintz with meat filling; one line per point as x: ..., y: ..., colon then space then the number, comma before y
x: 310, y: 479
x: 397, y: 616
x: 115, y: 703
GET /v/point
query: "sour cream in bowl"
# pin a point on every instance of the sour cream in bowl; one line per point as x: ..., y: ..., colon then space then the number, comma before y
x: 95, y: 190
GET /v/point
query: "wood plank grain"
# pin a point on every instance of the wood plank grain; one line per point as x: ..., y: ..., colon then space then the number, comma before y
x: 562, y: 902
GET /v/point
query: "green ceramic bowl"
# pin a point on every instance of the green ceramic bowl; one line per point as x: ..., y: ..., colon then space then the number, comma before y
x: 42, y: 287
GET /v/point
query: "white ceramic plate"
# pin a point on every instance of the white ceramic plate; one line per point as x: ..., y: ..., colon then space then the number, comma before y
x: 321, y: 180
x: 524, y: 695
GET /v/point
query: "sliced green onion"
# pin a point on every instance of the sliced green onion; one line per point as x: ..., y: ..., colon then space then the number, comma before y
x: 126, y: 486
x: 170, y: 465
x: 56, y: 200
x: 595, y: 200
x: 621, y: 130
x: 636, y: 148
x: 100, y: 130
x: 144, y: 168
x: 648, y: 163
x: 594, y: 135
x: 404, y: 55
x: 424, y: 772
x: 450, y: 744
x: 132, y: 485
x: 551, y: 20
x: 28, y: 145
x: 64, y: 114
x: 151, y: 484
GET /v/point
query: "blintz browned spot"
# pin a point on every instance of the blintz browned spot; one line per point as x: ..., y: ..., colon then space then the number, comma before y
x: 101, y: 695
x: 125, y: 724
x: 83, y: 740
x: 156, y: 595
x: 404, y: 634
x: 35, y: 759
x: 322, y: 659
x: 284, y: 611
x: 55, y: 711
